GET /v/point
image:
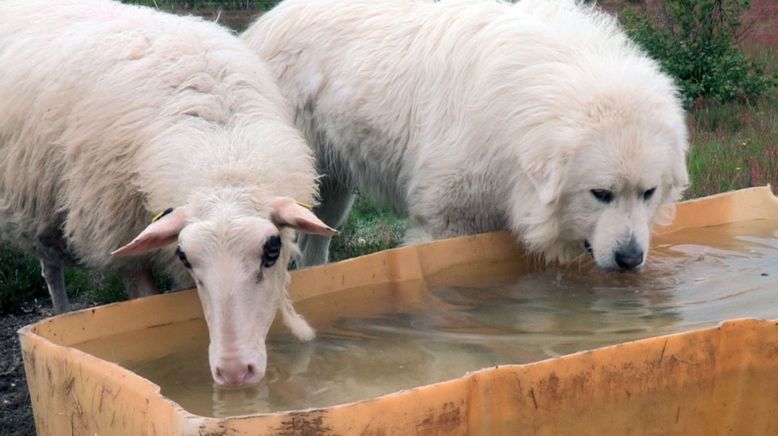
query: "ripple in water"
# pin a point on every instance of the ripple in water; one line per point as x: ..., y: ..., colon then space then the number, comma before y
x: 695, y: 278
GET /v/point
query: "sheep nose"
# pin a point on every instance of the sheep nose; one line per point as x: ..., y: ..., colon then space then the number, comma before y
x: 629, y: 257
x: 236, y: 373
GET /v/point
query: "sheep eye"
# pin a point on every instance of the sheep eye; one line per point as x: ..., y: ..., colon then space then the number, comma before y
x: 648, y: 194
x: 271, y: 251
x: 602, y: 195
x: 182, y: 257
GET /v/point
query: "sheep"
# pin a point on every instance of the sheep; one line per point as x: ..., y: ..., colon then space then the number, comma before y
x: 539, y: 117
x: 110, y: 113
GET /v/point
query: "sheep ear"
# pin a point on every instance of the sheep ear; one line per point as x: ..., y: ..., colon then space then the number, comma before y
x: 162, y: 231
x: 287, y: 212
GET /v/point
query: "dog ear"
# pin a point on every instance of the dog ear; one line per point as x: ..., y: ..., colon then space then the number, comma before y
x: 678, y: 173
x: 676, y: 179
x: 545, y: 170
x: 679, y: 178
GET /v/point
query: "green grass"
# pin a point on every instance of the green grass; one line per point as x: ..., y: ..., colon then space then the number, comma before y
x: 733, y: 146
x: 369, y: 228
x: 22, y: 287
x: 20, y: 279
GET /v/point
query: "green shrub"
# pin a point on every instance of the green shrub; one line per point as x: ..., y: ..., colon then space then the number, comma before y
x: 696, y: 42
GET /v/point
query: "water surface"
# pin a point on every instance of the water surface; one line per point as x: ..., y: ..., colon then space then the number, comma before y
x: 695, y: 278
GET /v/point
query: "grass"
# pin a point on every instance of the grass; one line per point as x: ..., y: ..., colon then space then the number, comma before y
x: 733, y: 146
x: 369, y: 228
x: 23, y: 288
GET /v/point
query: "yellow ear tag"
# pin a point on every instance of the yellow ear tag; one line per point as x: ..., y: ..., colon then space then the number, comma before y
x: 305, y: 205
x: 161, y: 214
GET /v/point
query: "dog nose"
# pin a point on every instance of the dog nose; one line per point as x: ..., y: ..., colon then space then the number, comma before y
x: 629, y: 258
x: 236, y: 373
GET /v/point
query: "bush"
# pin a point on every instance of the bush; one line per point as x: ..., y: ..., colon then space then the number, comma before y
x: 696, y: 42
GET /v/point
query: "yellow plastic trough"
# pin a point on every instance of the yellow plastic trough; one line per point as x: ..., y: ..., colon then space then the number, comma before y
x: 721, y: 380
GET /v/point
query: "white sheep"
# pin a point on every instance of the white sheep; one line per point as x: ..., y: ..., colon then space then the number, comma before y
x: 109, y: 113
x: 540, y: 117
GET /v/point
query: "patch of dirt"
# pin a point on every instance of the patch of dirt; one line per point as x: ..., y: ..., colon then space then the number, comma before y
x: 15, y: 409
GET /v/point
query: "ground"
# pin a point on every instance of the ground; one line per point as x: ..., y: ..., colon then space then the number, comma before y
x: 14, y: 398
x: 733, y: 146
x: 16, y: 417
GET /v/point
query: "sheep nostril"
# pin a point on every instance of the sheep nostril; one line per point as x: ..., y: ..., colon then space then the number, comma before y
x: 237, y: 374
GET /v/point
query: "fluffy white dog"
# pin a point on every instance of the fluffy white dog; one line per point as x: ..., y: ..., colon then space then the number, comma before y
x: 539, y: 117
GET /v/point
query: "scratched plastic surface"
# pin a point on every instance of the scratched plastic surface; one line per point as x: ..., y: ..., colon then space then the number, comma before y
x: 694, y: 278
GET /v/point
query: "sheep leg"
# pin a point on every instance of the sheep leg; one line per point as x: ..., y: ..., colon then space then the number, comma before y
x: 138, y: 281
x: 336, y: 201
x: 55, y: 280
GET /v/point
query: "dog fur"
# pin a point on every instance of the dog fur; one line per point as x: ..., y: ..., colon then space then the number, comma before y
x: 472, y: 116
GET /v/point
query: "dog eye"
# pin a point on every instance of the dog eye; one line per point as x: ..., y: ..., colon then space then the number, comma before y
x: 648, y: 194
x: 182, y: 257
x: 602, y: 195
x: 271, y: 251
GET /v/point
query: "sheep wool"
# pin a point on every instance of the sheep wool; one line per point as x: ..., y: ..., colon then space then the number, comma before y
x: 111, y: 113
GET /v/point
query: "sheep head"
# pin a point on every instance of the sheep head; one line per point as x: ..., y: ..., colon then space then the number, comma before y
x: 238, y: 257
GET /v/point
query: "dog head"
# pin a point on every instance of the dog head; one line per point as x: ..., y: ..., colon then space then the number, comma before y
x: 609, y: 171
x: 619, y: 184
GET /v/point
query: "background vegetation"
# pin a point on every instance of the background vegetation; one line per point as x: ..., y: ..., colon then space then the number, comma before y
x: 696, y: 42
x: 727, y: 78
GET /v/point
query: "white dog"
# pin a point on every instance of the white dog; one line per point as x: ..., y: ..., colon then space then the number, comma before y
x: 539, y: 117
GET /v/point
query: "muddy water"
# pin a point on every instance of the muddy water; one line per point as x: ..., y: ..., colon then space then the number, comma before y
x: 695, y: 278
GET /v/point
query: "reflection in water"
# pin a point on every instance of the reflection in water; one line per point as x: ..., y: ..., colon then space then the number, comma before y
x: 695, y: 278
